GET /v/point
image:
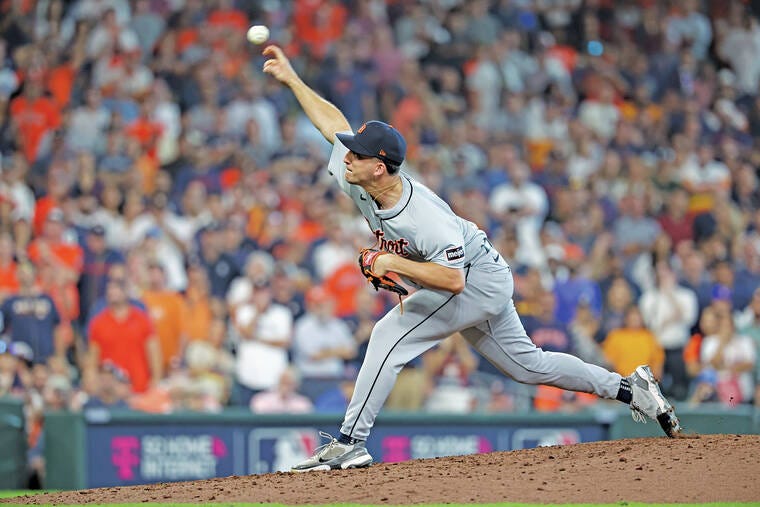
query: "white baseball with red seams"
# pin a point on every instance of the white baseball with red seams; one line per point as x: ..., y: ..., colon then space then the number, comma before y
x: 258, y: 34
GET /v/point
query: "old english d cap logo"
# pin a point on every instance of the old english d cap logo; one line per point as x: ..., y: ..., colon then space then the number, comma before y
x: 376, y: 139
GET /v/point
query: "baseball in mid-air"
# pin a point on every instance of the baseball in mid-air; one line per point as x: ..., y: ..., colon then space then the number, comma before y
x: 258, y: 34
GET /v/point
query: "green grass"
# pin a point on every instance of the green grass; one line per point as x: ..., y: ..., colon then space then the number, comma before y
x: 10, y: 494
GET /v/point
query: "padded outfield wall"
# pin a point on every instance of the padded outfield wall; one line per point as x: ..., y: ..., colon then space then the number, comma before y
x: 102, y: 448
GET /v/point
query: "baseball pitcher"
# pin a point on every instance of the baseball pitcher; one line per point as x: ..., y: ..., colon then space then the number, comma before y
x: 463, y: 285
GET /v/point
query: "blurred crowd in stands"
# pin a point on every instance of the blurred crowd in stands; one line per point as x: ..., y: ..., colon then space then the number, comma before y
x: 169, y: 239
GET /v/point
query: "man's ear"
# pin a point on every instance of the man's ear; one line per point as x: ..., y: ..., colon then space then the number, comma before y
x: 380, y: 168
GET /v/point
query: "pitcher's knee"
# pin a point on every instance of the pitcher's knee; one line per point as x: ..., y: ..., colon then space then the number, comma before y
x: 523, y: 376
x: 527, y: 368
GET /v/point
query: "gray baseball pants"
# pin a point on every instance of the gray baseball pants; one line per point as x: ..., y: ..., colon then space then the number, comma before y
x: 485, y: 315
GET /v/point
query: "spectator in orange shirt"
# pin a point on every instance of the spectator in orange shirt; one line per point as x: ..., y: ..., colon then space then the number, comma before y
x: 632, y: 345
x: 197, y: 314
x: 124, y: 335
x: 60, y: 80
x: 144, y: 128
x: 227, y: 17
x: 57, y: 187
x: 50, y: 249
x: 554, y: 399
x: 165, y: 308
x: 343, y: 285
x: 319, y: 23
x: 35, y: 117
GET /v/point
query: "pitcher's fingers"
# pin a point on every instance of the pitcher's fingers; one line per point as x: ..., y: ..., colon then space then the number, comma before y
x: 273, y: 51
x: 270, y: 66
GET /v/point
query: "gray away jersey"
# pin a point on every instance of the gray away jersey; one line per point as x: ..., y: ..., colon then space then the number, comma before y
x: 420, y: 227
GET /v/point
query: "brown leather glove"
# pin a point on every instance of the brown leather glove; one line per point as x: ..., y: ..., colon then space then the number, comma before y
x: 367, y: 258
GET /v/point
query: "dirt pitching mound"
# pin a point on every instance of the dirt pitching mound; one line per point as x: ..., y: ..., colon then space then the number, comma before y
x: 708, y: 468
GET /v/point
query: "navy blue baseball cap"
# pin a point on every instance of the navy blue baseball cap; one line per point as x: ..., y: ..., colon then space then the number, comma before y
x: 376, y: 139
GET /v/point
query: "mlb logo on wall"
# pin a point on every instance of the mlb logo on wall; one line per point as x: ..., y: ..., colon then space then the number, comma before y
x: 275, y: 450
x: 543, y: 437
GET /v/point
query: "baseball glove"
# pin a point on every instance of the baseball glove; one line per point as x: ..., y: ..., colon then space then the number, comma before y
x: 367, y: 258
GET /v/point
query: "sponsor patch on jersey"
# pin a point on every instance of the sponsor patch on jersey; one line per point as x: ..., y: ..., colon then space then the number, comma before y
x: 455, y: 253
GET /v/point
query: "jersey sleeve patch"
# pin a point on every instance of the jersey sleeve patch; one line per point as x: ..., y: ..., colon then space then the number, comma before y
x: 455, y: 253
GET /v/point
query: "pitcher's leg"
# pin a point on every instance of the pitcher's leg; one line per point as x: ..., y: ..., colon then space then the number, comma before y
x: 396, y: 339
x: 503, y: 341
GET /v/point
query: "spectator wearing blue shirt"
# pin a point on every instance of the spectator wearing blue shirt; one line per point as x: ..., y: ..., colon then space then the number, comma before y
x: 220, y: 266
x: 30, y: 317
x: 575, y: 288
x: 335, y: 400
x: 545, y: 330
x: 98, y: 260
x: 346, y: 86
x: 724, y: 276
x: 696, y: 276
x: 202, y: 168
x: 115, y: 162
x: 236, y: 243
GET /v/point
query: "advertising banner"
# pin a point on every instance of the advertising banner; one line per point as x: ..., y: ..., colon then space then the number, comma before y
x: 125, y: 454
x: 122, y: 455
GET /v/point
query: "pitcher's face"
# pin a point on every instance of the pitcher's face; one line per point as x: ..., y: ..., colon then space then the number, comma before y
x: 361, y: 168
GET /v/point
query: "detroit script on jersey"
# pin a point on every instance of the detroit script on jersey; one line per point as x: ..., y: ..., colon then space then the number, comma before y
x: 395, y: 246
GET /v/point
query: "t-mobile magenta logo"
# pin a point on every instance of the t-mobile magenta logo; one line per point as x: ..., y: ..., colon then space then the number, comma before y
x: 396, y: 448
x: 125, y: 455
x: 218, y: 449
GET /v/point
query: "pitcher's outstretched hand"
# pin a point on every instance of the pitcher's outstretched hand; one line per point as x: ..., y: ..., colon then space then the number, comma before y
x: 278, y: 65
